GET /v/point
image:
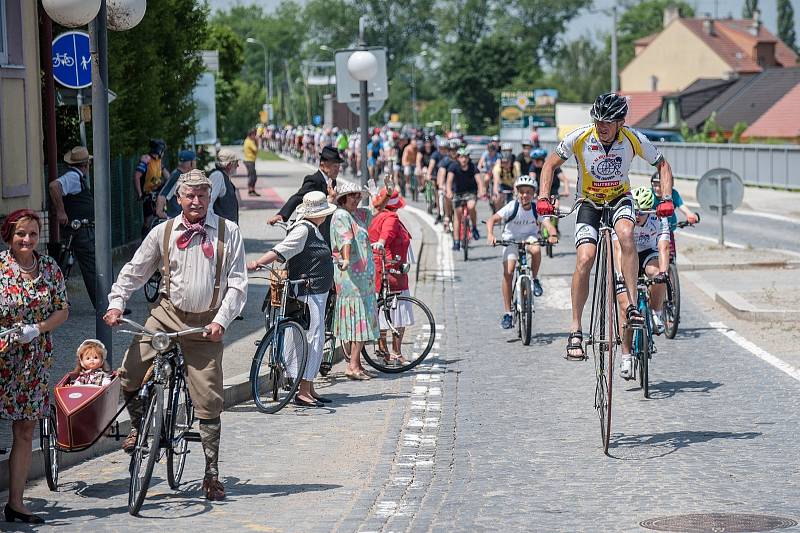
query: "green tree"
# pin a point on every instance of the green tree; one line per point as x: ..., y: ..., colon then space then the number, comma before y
x: 231, y: 58
x: 243, y: 113
x: 786, y: 31
x: 641, y: 20
x: 749, y: 8
x: 580, y: 71
x: 153, y: 68
x: 738, y: 130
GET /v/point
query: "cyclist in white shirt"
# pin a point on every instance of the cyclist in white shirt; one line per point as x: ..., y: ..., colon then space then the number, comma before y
x: 652, y: 238
x: 604, y: 150
x: 520, y: 223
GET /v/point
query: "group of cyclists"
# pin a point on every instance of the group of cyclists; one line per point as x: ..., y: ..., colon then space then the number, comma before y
x: 524, y: 190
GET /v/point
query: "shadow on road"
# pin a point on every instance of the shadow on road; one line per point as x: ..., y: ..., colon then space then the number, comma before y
x: 654, y: 445
x: 692, y: 333
x: 661, y: 390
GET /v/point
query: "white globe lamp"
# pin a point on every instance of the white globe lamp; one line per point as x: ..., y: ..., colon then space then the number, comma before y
x: 362, y: 65
x: 125, y: 14
x: 72, y: 13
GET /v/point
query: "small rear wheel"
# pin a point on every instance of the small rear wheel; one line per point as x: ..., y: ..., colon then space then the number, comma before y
x: 49, y: 444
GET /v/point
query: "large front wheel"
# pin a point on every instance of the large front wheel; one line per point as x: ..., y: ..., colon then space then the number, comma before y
x: 407, y: 335
x: 278, y: 365
x: 146, y: 452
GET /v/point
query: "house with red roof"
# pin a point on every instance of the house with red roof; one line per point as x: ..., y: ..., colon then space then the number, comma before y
x: 688, y: 49
x: 781, y: 121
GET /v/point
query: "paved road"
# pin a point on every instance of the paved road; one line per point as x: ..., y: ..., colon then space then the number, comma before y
x: 488, y: 435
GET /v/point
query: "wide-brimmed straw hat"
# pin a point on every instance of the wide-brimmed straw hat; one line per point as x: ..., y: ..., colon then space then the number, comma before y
x: 347, y: 187
x: 77, y: 155
x: 315, y: 204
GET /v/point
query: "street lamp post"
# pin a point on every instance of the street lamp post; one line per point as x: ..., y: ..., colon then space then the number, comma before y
x: 267, y: 72
x: 363, y: 66
x: 614, y: 74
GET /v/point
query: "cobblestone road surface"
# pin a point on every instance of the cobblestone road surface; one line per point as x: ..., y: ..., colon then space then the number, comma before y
x: 487, y: 435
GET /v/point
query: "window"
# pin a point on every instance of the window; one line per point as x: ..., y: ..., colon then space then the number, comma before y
x: 3, y: 34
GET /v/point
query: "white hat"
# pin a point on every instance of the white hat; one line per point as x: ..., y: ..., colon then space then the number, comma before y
x: 347, y: 187
x: 315, y: 204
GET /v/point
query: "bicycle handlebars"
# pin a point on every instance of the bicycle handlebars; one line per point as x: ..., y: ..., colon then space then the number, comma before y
x: 79, y: 223
x: 160, y: 340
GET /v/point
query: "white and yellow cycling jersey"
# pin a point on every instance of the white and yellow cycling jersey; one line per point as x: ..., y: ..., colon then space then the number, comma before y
x: 603, y: 173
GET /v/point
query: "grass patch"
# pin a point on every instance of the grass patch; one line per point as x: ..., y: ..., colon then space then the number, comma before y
x: 268, y: 156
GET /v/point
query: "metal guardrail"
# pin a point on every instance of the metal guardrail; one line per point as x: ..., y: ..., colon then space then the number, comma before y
x: 763, y: 165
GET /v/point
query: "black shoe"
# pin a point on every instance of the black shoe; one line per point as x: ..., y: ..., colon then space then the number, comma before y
x: 322, y: 399
x: 240, y: 317
x: 12, y: 516
x: 303, y: 403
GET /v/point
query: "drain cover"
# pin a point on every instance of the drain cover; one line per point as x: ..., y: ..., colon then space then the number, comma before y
x: 718, y: 523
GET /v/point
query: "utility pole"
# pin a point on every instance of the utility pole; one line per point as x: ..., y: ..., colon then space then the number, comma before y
x: 614, y: 75
x: 364, y: 106
x: 98, y: 35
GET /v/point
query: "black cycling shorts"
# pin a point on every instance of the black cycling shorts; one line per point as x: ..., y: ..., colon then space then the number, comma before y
x: 588, y: 220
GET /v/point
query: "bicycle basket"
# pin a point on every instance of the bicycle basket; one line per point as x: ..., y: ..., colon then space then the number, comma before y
x: 276, y: 279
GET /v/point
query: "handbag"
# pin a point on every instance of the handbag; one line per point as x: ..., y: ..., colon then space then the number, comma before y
x: 298, y: 310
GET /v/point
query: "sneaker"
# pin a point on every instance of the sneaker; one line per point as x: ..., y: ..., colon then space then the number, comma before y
x: 658, y: 323
x: 537, y: 288
x: 626, y: 367
x: 507, y: 322
x: 475, y: 235
x: 456, y: 246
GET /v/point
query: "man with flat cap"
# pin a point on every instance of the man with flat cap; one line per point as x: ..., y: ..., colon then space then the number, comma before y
x: 201, y: 257
x: 323, y: 180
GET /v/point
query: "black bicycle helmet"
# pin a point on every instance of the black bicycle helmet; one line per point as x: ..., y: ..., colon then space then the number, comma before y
x: 157, y: 147
x: 609, y: 107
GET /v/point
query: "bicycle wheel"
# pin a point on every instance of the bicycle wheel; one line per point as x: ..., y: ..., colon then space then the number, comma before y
x: 672, y: 305
x: 644, y: 361
x: 147, y: 450
x: 549, y: 250
x: 279, y: 361
x: 526, y: 314
x: 328, y: 352
x: 50, y: 454
x: 408, y: 330
x: 151, y: 287
x: 181, y: 419
x: 602, y: 335
x: 466, y: 228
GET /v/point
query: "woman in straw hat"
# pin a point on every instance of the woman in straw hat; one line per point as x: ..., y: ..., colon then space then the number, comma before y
x: 356, y: 318
x: 307, y: 254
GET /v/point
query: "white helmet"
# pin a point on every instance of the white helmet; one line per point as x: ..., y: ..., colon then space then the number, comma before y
x: 525, y: 180
x: 506, y: 147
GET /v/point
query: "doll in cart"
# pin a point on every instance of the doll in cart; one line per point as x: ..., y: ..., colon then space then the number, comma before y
x: 92, y: 368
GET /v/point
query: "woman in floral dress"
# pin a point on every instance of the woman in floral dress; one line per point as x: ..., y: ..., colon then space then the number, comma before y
x: 33, y: 297
x: 355, y: 318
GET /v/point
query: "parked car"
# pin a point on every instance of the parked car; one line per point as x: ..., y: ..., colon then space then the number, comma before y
x: 664, y: 136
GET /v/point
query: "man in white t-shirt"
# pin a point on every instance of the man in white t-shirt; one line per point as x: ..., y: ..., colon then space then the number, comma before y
x: 520, y: 223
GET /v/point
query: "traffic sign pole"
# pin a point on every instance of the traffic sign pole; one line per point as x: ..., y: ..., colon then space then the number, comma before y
x: 102, y: 174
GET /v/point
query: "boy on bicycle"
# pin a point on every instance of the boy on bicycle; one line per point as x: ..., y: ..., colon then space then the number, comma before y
x: 519, y: 223
x: 651, y: 235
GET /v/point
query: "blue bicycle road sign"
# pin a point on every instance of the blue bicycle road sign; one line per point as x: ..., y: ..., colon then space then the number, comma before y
x: 72, y: 62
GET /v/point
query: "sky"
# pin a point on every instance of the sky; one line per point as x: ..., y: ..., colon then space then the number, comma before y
x: 589, y: 23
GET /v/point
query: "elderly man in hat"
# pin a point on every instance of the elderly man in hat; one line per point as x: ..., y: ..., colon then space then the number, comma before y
x: 323, y: 180
x: 72, y: 198
x: 224, y: 198
x: 201, y: 256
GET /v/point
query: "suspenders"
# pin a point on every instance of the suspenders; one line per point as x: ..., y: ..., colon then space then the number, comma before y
x: 165, y: 248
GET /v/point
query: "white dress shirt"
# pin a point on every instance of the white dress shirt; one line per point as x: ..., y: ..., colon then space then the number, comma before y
x: 192, y: 274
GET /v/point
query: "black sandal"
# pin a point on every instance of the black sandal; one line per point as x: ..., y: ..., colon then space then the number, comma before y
x: 573, y: 344
x: 635, y: 318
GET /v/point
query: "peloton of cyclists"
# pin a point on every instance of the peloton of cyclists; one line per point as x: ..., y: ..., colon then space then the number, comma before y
x: 520, y: 223
x: 604, y: 150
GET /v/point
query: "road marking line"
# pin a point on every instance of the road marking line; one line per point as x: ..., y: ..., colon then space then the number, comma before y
x: 445, y: 243
x: 731, y: 244
x: 756, y: 350
x: 759, y: 214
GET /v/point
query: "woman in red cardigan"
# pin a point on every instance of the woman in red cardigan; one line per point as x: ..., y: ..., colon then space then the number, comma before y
x: 388, y: 234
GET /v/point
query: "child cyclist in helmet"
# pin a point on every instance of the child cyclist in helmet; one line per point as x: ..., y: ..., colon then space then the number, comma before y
x: 520, y: 223
x: 651, y: 235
